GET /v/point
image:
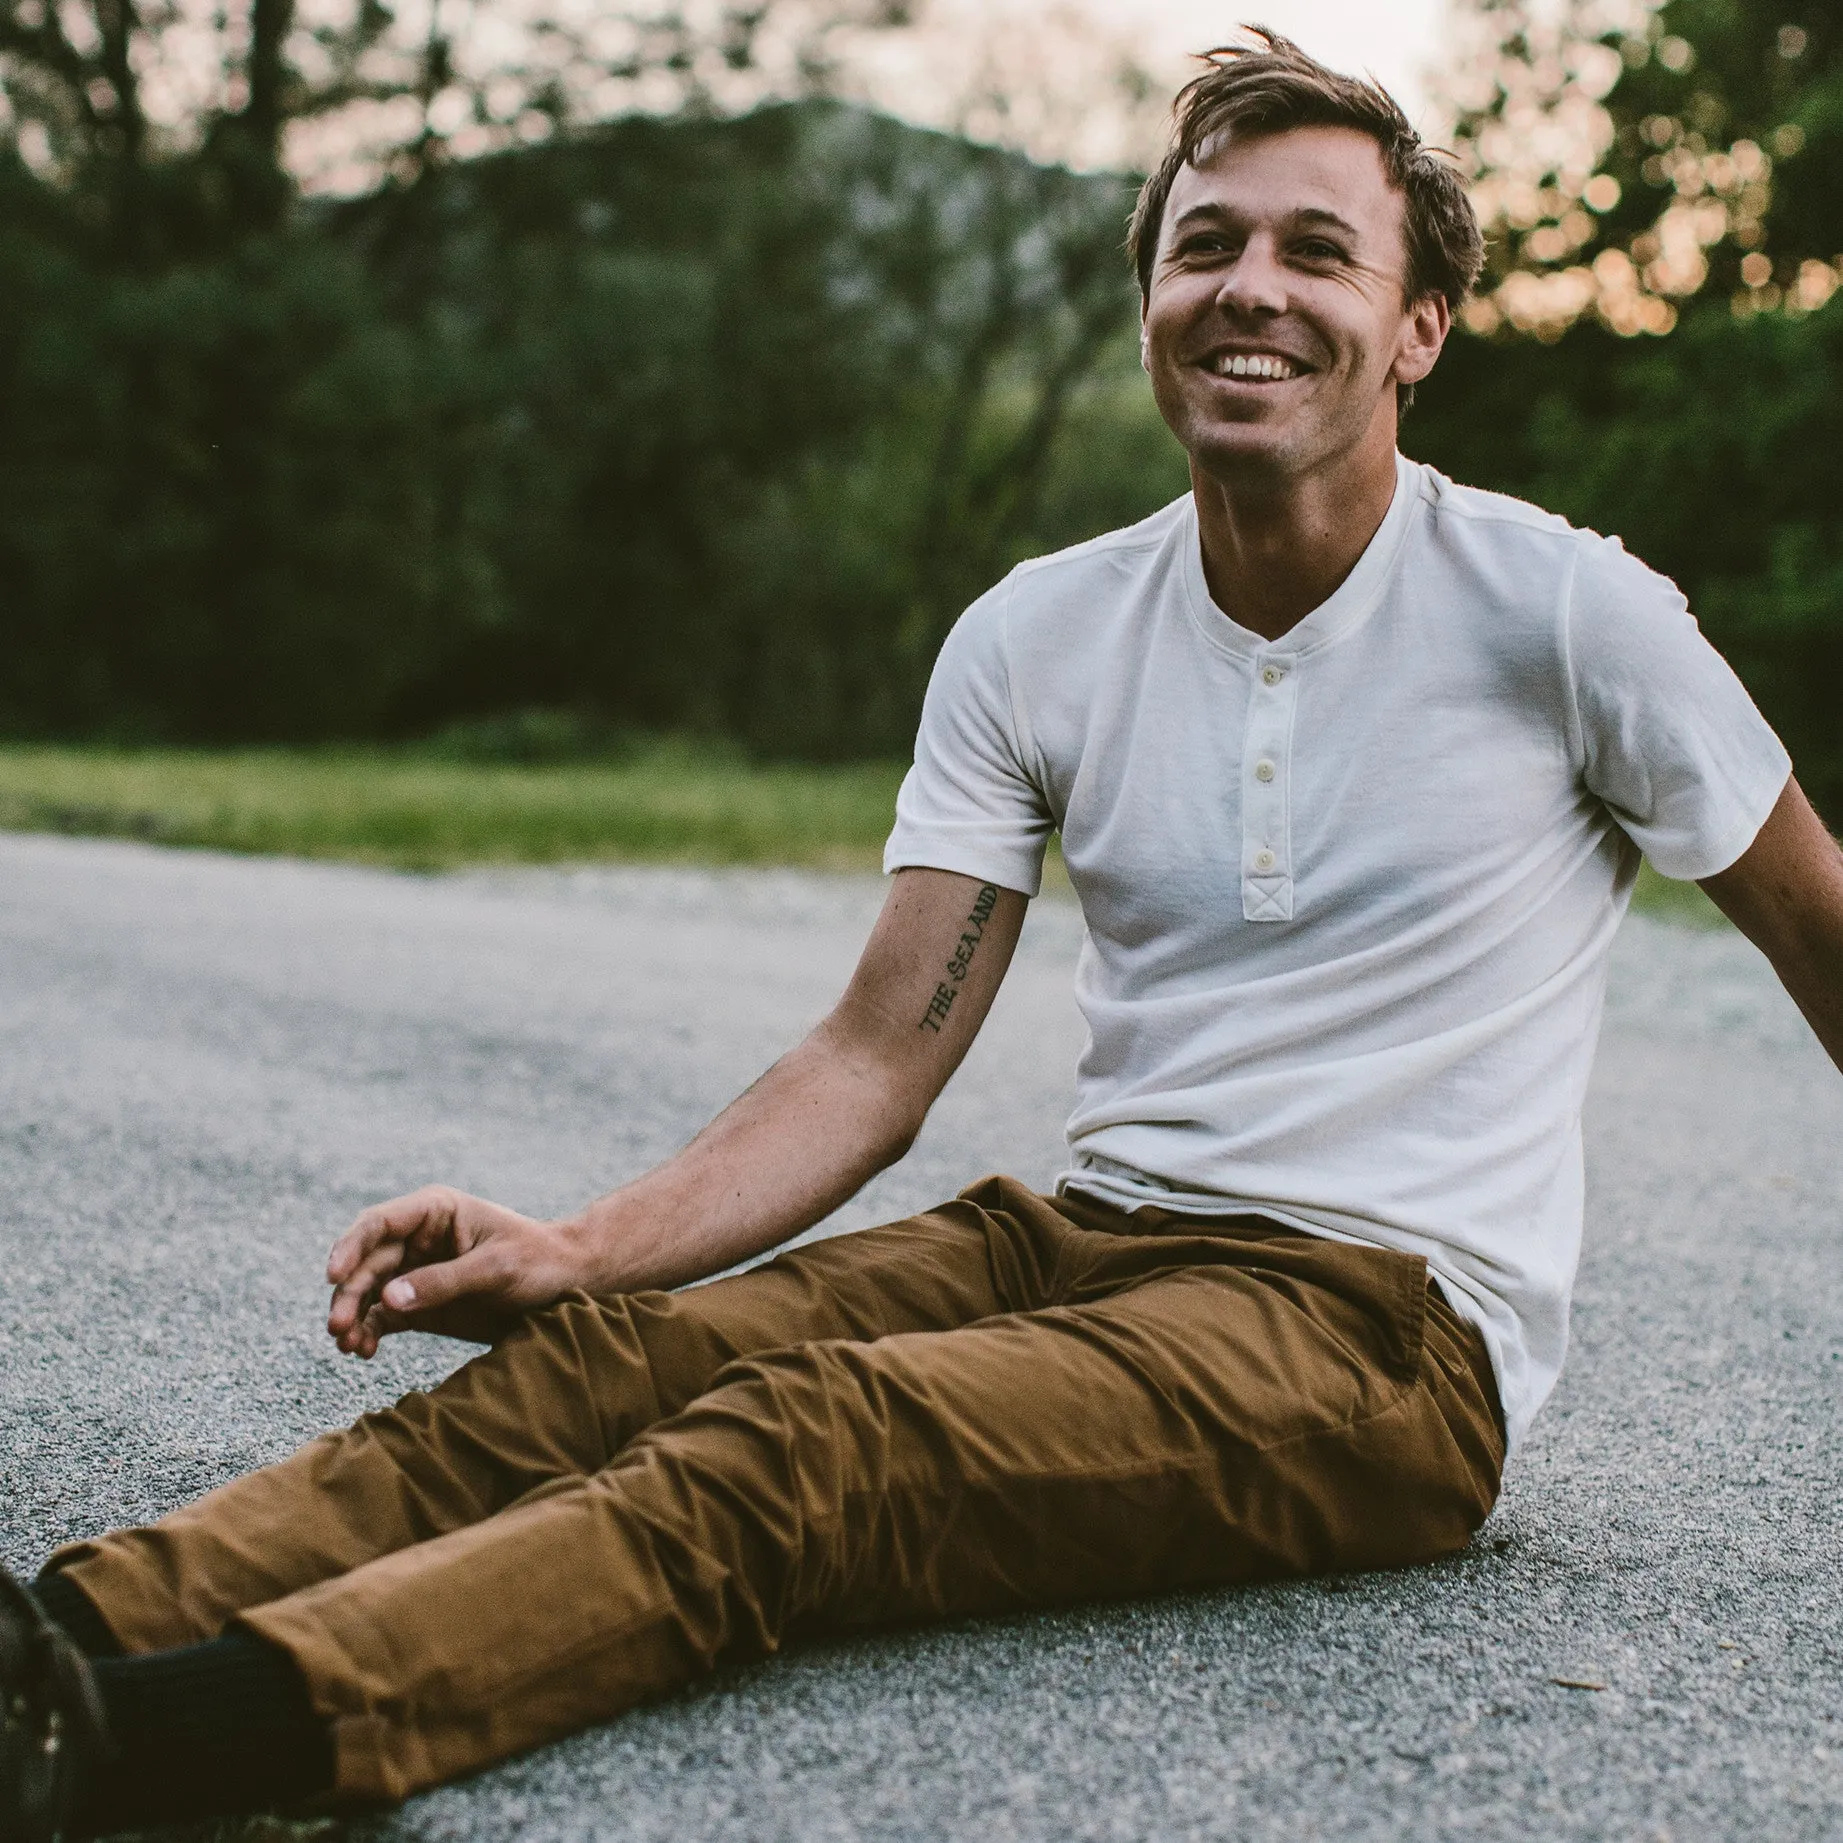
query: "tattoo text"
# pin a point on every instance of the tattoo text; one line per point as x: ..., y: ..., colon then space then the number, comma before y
x: 961, y: 963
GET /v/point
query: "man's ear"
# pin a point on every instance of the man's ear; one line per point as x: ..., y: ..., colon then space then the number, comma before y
x: 1145, y: 340
x: 1430, y: 319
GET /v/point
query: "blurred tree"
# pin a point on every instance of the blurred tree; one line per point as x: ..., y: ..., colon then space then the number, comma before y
x: 695, y: 423
x: 716, y: 421
x: 1629, y: 158
x: 769, y: 401
x: 185, y: 126
x: 1678, y: 170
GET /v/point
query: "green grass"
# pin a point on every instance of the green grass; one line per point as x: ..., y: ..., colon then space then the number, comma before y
x: 669, y: 802
x: 666, y: 802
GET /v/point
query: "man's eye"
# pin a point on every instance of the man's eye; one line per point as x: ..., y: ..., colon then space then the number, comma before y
x: 1204, y: 246
x: 1316, y: 249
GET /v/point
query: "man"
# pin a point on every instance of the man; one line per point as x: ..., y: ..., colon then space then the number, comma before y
x: 1352, y: 769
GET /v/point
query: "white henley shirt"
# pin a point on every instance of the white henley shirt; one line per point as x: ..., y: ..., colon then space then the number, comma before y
x: 1348, y: 894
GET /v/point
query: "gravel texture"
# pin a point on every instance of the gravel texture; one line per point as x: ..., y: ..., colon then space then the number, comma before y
x: 208, y: 1064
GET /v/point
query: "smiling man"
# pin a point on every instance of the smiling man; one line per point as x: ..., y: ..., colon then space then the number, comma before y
x: 1352, y: 769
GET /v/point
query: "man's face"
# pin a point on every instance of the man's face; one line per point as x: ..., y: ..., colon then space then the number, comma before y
x: 1276, y: 328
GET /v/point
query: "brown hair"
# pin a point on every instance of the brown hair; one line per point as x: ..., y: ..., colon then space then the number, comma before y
x: 1268, y: 86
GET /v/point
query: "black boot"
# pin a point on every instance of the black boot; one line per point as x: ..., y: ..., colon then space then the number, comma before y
x: 54, y: 1735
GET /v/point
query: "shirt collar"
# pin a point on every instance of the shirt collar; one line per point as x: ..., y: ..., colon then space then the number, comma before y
x: 1348, y: 605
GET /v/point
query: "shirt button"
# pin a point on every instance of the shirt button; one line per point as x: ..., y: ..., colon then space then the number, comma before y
x: 1271, y: 675
x: 1263, y: 860
x: 1263, y: 771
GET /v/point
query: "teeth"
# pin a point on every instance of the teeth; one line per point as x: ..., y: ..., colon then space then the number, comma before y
x: 1256, y: 365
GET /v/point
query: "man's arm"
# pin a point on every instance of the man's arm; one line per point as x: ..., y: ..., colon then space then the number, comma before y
x: 825, y: 1119
x: 1785, y: 893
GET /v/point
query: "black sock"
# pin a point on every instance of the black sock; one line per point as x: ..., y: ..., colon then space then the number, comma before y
x: 206, y: 1731
x: 67, y: 1605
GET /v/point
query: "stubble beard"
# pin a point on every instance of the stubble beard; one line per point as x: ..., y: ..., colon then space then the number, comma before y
x: 1286, y: 453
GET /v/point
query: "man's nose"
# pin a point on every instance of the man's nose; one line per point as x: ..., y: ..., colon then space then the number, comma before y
x: 1255, y: 282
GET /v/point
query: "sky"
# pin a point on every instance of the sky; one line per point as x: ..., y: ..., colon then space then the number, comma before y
x: 1033, y: 73
x: 1395, y: 40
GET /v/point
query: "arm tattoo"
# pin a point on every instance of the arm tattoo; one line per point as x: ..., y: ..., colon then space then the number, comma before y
x: 962, y: 961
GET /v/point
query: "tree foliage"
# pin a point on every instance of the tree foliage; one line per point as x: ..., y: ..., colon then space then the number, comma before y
x: 715, y: 421
x: 1670, y: 170
x: 1629, y: 158
x: 184, y: 128
x: 708, y: 423
x: 1707, y: 453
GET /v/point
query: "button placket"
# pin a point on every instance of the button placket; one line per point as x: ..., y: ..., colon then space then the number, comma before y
x: 1266, y: 825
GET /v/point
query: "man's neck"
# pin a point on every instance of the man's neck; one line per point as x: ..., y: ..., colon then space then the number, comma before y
x: 1275, y: 550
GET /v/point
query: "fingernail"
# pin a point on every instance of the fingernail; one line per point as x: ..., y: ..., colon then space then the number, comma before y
x: 400, y: 1295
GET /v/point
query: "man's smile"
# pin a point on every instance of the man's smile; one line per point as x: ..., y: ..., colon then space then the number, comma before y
x: 1255, y: 367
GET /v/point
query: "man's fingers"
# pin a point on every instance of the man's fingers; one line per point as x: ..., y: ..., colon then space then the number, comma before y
x: 363, y: 1339
x: 428, y: 1213
x: 361, y: 1287
x: 436, y: 1260
x: 406, y: 1231
x: 376, y: 1267
x: 427, y: 1289
x: 356, y: 1244
x: 375, y: 1327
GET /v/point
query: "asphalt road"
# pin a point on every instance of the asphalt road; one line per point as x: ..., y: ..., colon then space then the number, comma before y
x: 207, y: 1065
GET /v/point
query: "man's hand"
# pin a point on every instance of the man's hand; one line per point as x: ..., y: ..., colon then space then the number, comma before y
x: 826, y: 1118
x: 440, y: 1260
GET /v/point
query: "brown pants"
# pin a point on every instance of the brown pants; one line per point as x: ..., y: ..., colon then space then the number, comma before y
x: 1008, y: 1402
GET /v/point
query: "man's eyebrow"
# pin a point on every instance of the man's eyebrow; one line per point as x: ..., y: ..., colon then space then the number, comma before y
x: 1307, y: 217
x: 1216, y: 214
x: 1317, y: 218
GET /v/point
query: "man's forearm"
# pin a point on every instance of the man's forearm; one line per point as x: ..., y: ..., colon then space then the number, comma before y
x: 830, y: 1115
x: 817, y: 1127
x: 1813, y: 975
x: 1785, y: 893
x: 811, y: 1132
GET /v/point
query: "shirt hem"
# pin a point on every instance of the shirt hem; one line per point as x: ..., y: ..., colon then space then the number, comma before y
x: 1734, y: 844
x: 1008, y: 874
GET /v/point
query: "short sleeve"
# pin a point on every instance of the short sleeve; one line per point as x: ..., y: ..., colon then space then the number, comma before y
x: 1669, y: 738
x: 970, y: 804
